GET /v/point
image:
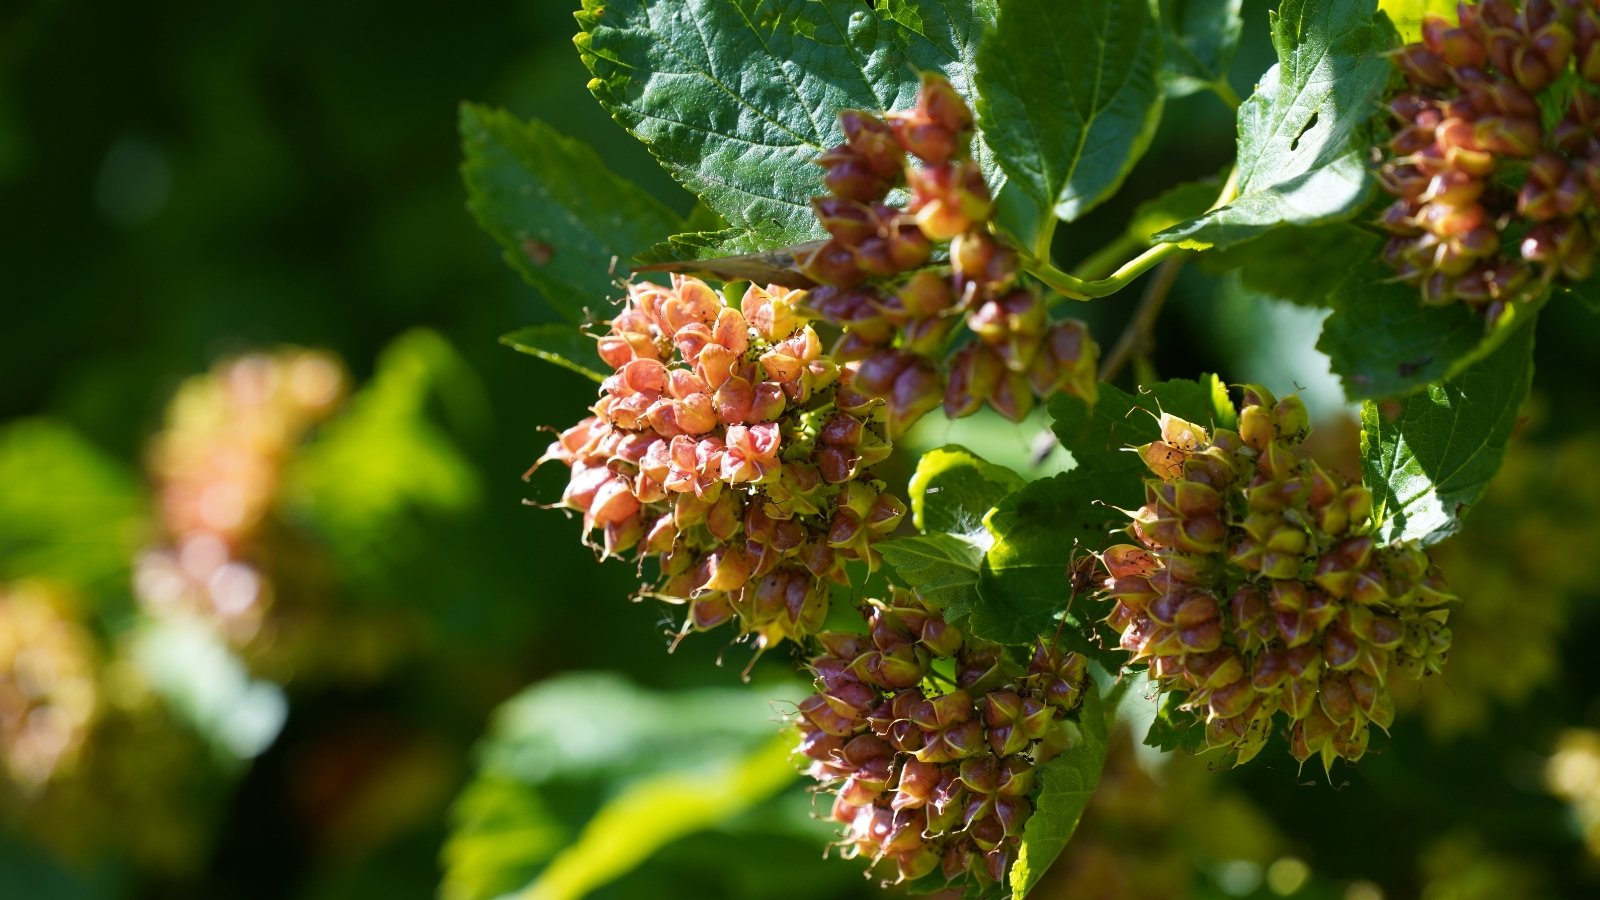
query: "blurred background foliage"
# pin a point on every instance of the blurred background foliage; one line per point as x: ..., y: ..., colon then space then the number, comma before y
x: 275, y: 622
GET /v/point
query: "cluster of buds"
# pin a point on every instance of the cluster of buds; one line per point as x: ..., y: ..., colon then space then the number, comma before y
x: 1258, y: 587
x: 929, y: 739
x: 724, y: 446
x: 1495, y: 202
x: 899, y: 314
x: 49, y: 692
x: 217, y: 467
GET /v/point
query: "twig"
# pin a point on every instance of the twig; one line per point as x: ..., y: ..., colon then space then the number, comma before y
x: 1138, y: 338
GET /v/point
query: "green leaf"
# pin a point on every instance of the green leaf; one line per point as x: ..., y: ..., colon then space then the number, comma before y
x: 1430, y: 462
x: 1069, y: 95
x: 1068, y: 780
x: 564, y: 219
x: 1299, y: 265
x: 698, y: 245
x: 1172, y: 728
x: 583, y: 776
x: 653, y: 812
x: 1407, y: 14
x: 1100, y: 437
x: 1302, y: 134
x: 68, y: 511
x: 1382, y: 342
x: 737, y: 97
x: 1025, y: 582
x: 1201, y: 37
x: 1024, y: 585
x: 732, y: 254
x: 563, y: 345
x: 362, y: 483
x: 941, y: 568
x: 1177, y: 204
x: 952, y: 490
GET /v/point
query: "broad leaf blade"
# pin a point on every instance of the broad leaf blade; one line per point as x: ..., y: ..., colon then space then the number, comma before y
x: 1177, y: 204
x: 68, y: 512
x: 1382, y: 342
x: 737, y: 97
x: 941, y: 568
x: 1303, y: 134
x: 1101, y: 437
x: 1298, y: 265
x: 1429, y: 463
x: 1069, y: 95
x: 561, y: 345
x: 564, y: 219
x: 952, y: 490
x: 1201, y: 38
x: 1025, y: 585
x: 535, y: 813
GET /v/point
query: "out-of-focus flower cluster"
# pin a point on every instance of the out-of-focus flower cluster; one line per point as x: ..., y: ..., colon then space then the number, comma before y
x: 1495, y: 196
x: 89, y: 756
x: 1257, y: 587
x: 725, y: 447
x: 899, y: 314
x: 49, y: 696
x: 932, y: 772
x: 217, y: 467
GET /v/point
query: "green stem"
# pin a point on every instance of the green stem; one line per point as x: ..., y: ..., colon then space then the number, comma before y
x: 1074, y: 288
x: 1104, y: 261
x: 1224, y: 92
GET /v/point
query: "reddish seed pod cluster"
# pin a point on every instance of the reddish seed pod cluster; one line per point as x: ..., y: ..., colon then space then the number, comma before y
x: 1257, y: 587
x: 929, y: 739
x: 899, y: 314
x: 217, y: 466
x: 723, y: 447
x: 1495, y: 195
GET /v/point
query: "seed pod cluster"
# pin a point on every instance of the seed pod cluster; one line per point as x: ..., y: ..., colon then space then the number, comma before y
x: 929, y: 738
x: 49, y: 692
x: 899, y: 314
x: 217, y: 467
x: 723, y: 446
x: 1495, y: 198
x: 1258, y: 587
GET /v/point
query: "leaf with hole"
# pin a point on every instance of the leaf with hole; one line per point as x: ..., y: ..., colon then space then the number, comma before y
x: 1303, y: 134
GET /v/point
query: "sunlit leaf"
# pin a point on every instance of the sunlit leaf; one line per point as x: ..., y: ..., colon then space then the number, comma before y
x: 737, y: 97
x: 1303, y: 133
x: 1069, y: 95
x: 1430, y: 462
